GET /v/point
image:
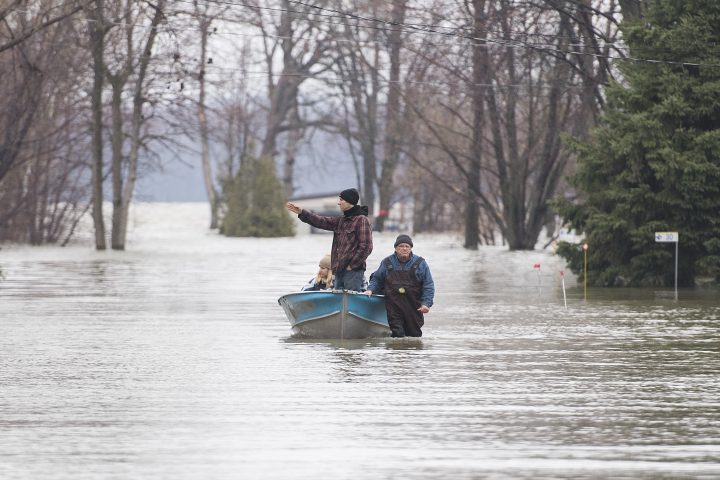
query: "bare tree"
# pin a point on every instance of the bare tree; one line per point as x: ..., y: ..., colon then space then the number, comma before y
x: 236, y: 121
x: 42, y: 178
x: 130, y: 65
x: 374, y: 78
x: 204, y: 17
x: 22, y: 81
x: 516, y: 139
x: 97, y: 30
x: 47, y: 14
x: 359, y: 67
x: 393, y: 122
x: 488, y: 91
x: 301, y: 46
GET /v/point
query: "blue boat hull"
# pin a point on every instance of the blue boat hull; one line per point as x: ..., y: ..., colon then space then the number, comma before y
x: 336, y: 314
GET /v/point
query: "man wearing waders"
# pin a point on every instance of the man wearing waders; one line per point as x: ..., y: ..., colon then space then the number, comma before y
x: 408, y: 286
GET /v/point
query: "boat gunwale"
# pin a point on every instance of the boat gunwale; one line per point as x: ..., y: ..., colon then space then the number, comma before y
x: 349, y: 292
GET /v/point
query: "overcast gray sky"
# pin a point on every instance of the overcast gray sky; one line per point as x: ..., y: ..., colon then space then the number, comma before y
x: 328, y: 171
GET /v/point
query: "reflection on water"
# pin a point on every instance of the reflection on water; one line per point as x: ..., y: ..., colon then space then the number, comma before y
x: 173, y: 360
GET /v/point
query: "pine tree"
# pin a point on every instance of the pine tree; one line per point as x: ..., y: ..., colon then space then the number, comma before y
x: 256, y: 203
x: 653, y: 163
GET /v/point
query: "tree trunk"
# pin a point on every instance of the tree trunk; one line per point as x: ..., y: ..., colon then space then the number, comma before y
x: 631, y: 9
x: 117, y: 160
x: 392, y: 116
x: 210, y: 190
x: 472, y: 209
x: 293, y: 142
x: 551, y: 163
x: 283, y: 94
x: 303, y: 49
x: 370, y: 137
x: 360, y: 83
x: 136, y: 121
x: 97, y: 44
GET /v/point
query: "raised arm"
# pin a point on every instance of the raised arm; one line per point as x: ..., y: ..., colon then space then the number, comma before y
x: 319, y: 221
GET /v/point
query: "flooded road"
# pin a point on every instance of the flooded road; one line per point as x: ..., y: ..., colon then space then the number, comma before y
x: 174, y: 360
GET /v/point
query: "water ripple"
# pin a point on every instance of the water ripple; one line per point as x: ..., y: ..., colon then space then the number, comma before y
x: 173, y: 360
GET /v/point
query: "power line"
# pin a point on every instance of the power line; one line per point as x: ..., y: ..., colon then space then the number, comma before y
x: 220, y: 73
x: 228, y: 33
x: 430, y: 30
x: 228, y: 72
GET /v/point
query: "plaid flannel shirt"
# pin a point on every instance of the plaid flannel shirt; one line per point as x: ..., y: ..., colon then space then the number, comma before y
x: 352, y: 238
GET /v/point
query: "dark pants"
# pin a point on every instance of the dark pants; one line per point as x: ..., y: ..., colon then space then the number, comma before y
x: 349, y: 280
x: 402, y: 300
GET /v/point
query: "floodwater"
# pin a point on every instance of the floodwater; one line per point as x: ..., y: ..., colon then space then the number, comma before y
x: 173, y: 360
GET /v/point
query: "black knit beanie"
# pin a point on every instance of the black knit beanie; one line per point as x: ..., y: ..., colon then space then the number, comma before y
x: 403, y: 239
x: 350, y: 195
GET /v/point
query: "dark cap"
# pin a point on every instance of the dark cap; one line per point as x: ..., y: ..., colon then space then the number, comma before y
x: 350, y: 195
x: 403, y: 239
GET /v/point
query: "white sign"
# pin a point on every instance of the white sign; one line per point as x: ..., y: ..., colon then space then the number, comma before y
x: 666, y: 236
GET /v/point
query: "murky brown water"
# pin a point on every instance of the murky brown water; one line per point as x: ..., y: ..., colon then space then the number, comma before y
x: 173, y: 360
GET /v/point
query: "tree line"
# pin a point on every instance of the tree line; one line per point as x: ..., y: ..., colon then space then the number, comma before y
x: 652, y: 164
x: 464, y: 107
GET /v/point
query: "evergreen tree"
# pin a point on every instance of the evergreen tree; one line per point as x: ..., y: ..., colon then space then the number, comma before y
x: 256, y: 203
x: 653, y: 163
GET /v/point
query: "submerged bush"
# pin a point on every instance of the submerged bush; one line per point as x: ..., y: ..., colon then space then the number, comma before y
x: 255, y: 203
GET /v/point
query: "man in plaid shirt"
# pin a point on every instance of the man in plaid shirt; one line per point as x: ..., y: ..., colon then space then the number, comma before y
x: 352, y: 239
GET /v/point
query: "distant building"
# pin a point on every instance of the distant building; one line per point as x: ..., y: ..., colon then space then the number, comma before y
x: 398, y: 219
x: 320, y: 203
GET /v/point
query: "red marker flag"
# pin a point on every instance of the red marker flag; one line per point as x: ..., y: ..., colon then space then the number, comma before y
x: 537, y: 265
